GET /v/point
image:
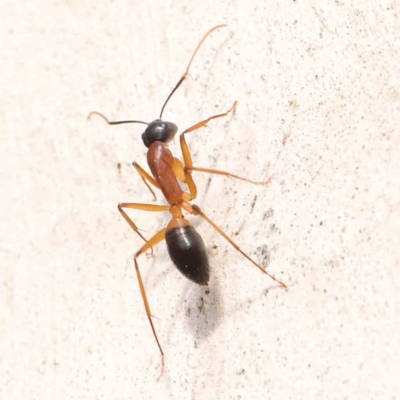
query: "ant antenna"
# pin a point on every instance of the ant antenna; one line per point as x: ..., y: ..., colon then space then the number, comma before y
x: 115, y: 122
x: 188, y: 67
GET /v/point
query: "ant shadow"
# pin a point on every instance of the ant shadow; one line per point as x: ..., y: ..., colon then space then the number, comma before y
x: 202, y: 305
x: 204, y: 309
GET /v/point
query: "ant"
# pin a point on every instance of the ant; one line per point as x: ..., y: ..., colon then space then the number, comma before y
x: 185, y: 246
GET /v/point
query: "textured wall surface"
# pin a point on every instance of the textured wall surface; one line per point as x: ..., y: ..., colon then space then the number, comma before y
x: 318, y: 91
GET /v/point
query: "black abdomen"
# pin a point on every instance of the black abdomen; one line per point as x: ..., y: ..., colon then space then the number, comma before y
x: 187, y: 251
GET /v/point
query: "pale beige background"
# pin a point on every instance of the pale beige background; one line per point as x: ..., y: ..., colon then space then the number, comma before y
x: 324, y: 76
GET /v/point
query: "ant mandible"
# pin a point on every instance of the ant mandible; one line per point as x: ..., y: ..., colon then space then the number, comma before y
x: 185, y: 246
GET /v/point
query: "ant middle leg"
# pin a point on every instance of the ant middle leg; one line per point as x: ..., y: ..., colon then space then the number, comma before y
x: 224, y: 173
x: 137, y: 206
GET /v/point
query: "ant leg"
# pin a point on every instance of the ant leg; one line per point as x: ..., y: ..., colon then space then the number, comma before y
x: 136, y: 206
x: 224, y: 173
x: 187, y: 158
x: 195, y: 210
x: 158, y: 237
x: 185, y: 177
x: 146, y: 178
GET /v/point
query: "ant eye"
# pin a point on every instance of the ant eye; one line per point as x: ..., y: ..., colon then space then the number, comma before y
x: 145, y: 140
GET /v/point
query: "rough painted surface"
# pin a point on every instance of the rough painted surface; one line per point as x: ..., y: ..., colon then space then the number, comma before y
x: 318, y: 91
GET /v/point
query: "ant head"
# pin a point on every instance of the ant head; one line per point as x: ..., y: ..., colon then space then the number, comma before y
x: 160, y: 131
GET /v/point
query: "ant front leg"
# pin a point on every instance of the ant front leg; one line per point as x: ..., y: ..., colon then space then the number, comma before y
x: 187, y: 158
x: 146, y: 178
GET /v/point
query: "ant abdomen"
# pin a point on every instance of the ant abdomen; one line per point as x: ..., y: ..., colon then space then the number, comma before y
x: 188, y: 253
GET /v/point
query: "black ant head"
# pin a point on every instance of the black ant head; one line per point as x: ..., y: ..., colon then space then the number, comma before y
x: 160, y: 131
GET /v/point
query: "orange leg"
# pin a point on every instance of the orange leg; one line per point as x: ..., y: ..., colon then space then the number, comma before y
x: 143, y: 174
x: 158, y: 237
x: 137, y: 206
x: 195, y: 210
x: 218, y: 172
x: 187, y: 158
x: 184, y: 176
x: 146, y: 178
